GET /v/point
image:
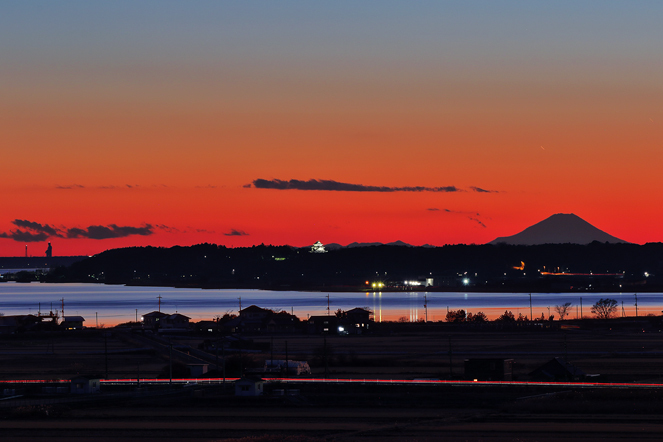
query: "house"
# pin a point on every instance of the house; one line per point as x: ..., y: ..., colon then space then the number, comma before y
x: 358, y: 317
x: 354, y: 321
x: 489, y: 369
x: 209, y: 327
x: 282, y: 322
x: 85, y: 385
x: 17, y: 323
x: 558, y: 370
x: 323, y: 324
x: 153, y: 319
x: 72, y: 322
x: 249, y: 386
x: 253, y: 319
x: 175, y: 320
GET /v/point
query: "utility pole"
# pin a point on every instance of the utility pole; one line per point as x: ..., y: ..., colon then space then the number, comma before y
x: 580, y: 307
x: 426, y: 306
x: 159, y: 297
x: 240, y: 304
x: 328, y: 311
x: 636, y: 304
x: 62, y: 301
x: 530, y: 308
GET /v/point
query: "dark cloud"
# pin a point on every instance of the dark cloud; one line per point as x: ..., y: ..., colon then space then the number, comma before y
x: 168, y: 229
x: 30, y: 231
x: 336, y: 186
x: 23, y: 236
x: 73, y: 186
x: 480, y: 190
x: 110, y: 231
x: 433, y: 209
x: 234, y: 232
x: 36, y: 227
x: 477, y: 221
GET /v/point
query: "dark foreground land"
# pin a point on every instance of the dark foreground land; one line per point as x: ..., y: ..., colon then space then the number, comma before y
x: 342, y: 411
x: 597, y: 266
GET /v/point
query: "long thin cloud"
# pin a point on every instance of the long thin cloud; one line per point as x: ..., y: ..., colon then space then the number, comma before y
x: 36, y: 227
x: 234, y: 232
x: 30, y: 231
x: 330, y: 185
x: 480, y: 190
x: 111, y: 231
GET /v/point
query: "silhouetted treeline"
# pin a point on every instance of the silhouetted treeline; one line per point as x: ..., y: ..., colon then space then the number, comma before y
x: 472, y: 267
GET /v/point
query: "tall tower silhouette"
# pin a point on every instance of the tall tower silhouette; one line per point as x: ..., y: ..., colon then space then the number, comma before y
x: 49, y: 251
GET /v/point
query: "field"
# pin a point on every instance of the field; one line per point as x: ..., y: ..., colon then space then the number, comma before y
x: 617, y: 352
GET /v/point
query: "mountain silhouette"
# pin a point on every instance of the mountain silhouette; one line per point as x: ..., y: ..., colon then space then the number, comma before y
x: 561, y: 228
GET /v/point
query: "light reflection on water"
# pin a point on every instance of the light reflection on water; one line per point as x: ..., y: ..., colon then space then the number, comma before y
x: 115, y: 304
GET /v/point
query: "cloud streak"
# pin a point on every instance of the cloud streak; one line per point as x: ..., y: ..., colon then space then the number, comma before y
x: 477, y: 221
x: 110, y: 231
x: 30, y: 231
x: 73, y: 186
x: 36, y: 227
x: 336, y: 186
x: 234, y: 232
x: 480, y: 190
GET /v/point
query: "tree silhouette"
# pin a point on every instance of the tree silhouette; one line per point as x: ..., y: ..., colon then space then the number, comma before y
x: 456, y: 316
x: 507, y: 316
x: 478, y: 317
x: 604, y: 308
x: 563, y: 310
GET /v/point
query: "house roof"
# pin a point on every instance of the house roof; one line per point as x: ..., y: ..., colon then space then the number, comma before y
x: 178, y: 315
x: 154, y: 314
x: 358, y: 310
x: 254, y: 308
x: 73, y: 319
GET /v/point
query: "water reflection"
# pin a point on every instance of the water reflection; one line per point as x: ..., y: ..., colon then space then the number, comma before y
x: 116, y: 304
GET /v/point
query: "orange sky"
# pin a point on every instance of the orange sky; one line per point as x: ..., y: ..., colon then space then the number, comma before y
x: 161, y: 121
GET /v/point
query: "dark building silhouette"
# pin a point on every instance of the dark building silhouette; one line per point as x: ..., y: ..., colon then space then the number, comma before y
x: 49, y: 251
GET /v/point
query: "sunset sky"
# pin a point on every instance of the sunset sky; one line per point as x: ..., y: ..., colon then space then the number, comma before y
x: 167, y: 123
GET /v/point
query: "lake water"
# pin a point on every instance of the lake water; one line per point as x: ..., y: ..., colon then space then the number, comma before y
x: 113, y: 304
